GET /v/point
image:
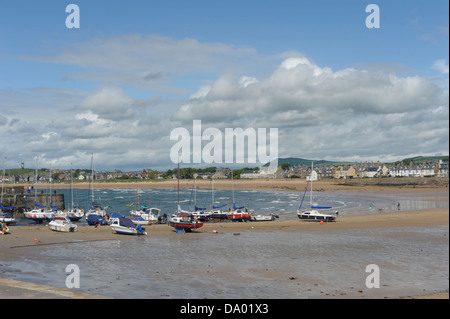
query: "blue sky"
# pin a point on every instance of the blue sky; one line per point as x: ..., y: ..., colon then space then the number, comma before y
x: 135, y: 70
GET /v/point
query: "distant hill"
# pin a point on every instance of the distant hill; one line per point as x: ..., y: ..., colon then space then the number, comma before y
x: 421, y: 159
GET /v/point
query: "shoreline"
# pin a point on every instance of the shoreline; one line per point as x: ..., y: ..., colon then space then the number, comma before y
x: 362, y: 185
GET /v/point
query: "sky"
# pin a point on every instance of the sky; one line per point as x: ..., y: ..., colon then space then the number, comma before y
x: 136, y: 71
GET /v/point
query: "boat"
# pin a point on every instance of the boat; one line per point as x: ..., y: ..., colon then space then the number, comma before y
x: 145, y: 215
x: 98, y: 212
x: 312, y: 214
x: 6, y: 214
x: 62, y: 224
x: 40, y: 212
x: 150, y: 216
x: 4, y: 228
x: 216, y: 213
x: 123, y: 225
x: 7, y: 217
x: 74, y: 213
x: 241, y: 213
x: 263, y: 218
x: 183, y: 221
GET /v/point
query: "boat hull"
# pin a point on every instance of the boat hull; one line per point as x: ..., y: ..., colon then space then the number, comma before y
x: 127, y: 231
x: 62, y: 227
x: 186, y: 226
x: 316, y: 216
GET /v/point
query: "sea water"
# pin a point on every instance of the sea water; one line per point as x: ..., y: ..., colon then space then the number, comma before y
x: 282, y: 203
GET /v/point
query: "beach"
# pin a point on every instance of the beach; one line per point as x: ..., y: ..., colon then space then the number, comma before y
x: 29, y: 239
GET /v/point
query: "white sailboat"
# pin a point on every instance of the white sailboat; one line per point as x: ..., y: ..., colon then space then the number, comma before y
x: 312, y: 214
x: 74, y: 213
x: 40, y: 212
x: 96, y: 214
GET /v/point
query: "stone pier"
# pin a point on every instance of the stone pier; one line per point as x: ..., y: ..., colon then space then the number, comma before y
x: 20, y: 197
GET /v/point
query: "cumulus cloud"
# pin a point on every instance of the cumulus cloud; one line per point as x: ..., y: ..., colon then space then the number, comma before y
x: 339, y: 114
x: 299, y: 90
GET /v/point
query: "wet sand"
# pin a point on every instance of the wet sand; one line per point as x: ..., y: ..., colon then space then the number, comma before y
x: 23, y: 238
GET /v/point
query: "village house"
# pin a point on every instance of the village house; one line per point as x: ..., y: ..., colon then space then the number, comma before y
x: 345, y: 171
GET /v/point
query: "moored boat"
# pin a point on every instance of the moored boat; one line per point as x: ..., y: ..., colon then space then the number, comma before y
x: 123, y: 225
x: 261, y: 218
x: 184, y: 221
x: 312, y: 214
x: 62, y: 224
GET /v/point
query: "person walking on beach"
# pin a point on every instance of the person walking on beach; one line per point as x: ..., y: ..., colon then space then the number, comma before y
x: 398, y: 205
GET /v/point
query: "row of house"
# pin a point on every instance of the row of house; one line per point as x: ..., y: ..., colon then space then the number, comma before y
x: 356, y: 170
x: 371, y: 170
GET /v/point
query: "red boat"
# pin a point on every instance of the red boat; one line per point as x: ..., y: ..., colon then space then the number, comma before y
x: 184, y: 221
x: 239, y: 215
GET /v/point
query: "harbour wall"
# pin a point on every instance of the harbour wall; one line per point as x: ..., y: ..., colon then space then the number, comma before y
x: 22, y: 198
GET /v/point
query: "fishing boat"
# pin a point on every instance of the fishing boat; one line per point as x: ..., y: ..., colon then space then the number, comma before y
x: 123, y: 225
x: 62, y: 224
x: 312, y: 214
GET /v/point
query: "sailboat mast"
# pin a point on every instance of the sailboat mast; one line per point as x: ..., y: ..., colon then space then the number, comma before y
x: 3, y: 179
x: 311, y: 179
x: 178, y: 178
x: 71, y: 186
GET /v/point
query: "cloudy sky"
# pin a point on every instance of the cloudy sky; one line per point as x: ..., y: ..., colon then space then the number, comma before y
x: 136, y: 70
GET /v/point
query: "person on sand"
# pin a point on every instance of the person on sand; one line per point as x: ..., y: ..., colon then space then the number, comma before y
x: 398, y: 205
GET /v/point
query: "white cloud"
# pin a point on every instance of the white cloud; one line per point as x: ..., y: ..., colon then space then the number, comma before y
x: 441, y: 66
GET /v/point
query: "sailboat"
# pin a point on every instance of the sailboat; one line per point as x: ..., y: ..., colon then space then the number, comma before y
x: 183, y: 221
x: 96, y: 215
x: 199, y: 213
x: 74, y: 213
x: 146, y: 215
x: 6, y: 215
x: 40, y: 212
x: 312, y: 214
x: 238, y: 213
x: 216, y: 212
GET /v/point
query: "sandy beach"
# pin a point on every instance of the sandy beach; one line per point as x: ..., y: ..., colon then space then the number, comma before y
x: 22, y: 238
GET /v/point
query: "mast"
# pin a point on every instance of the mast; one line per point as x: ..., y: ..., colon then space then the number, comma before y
x: 71, y: 187
x: 178, y: 178
x: 311, y: 178
x: 3, y: 179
